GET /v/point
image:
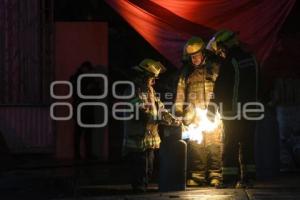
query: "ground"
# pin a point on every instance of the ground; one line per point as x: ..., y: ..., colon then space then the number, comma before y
x: 62, y: 180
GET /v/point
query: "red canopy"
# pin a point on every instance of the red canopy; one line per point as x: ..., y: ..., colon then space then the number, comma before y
x: 167, y: 24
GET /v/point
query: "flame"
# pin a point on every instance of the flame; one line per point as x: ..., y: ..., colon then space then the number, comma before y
x: 200, y: 125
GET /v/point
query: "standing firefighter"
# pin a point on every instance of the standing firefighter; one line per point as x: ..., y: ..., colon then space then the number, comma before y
x: 141, y: 132
x: 194, y: 90
x: 236, y: 84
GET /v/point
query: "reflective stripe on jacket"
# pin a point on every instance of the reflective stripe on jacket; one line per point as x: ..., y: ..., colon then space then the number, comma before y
x: 141, y: 132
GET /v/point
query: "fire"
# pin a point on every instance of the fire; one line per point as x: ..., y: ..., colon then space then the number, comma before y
x: 200, y: 125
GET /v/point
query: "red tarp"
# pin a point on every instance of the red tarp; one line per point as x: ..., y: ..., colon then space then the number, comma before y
x: 167, y: 24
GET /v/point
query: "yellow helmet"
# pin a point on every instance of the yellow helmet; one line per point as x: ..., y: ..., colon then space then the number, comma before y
x: 192, y: 46
x: 150, y: 67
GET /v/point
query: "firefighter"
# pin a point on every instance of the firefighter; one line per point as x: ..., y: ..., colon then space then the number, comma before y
x: 87, y: 115
x: 236, y: 85
x: 141, y: 132
x: 194, y: 89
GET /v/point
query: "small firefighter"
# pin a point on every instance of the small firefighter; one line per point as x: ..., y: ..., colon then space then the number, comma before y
x: 236, y: 84
x: 194, y: 90
x: 141, y: 137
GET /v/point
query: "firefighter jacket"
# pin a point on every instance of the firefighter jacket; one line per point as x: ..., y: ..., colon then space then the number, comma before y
x: 195, y: 89
x: 237, y: 81
x: 141, y: 132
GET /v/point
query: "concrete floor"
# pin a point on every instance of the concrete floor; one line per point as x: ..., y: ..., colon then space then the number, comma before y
x: 211, y: 194
x: 93, y: 180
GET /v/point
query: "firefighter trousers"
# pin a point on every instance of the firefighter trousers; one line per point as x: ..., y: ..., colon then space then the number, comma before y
x: 238, y: 152
x: 204, y: 160
x: 141, y: 168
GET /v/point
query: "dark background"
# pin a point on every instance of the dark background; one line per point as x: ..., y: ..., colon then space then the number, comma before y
x: 125, y: 49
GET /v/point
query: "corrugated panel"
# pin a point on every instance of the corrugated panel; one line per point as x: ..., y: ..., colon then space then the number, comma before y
x: 27, y: 129
x: 287, y: 92
x: 26, y: 52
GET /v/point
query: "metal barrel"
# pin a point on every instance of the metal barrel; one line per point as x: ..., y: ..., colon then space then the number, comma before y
x: 172, y: 154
